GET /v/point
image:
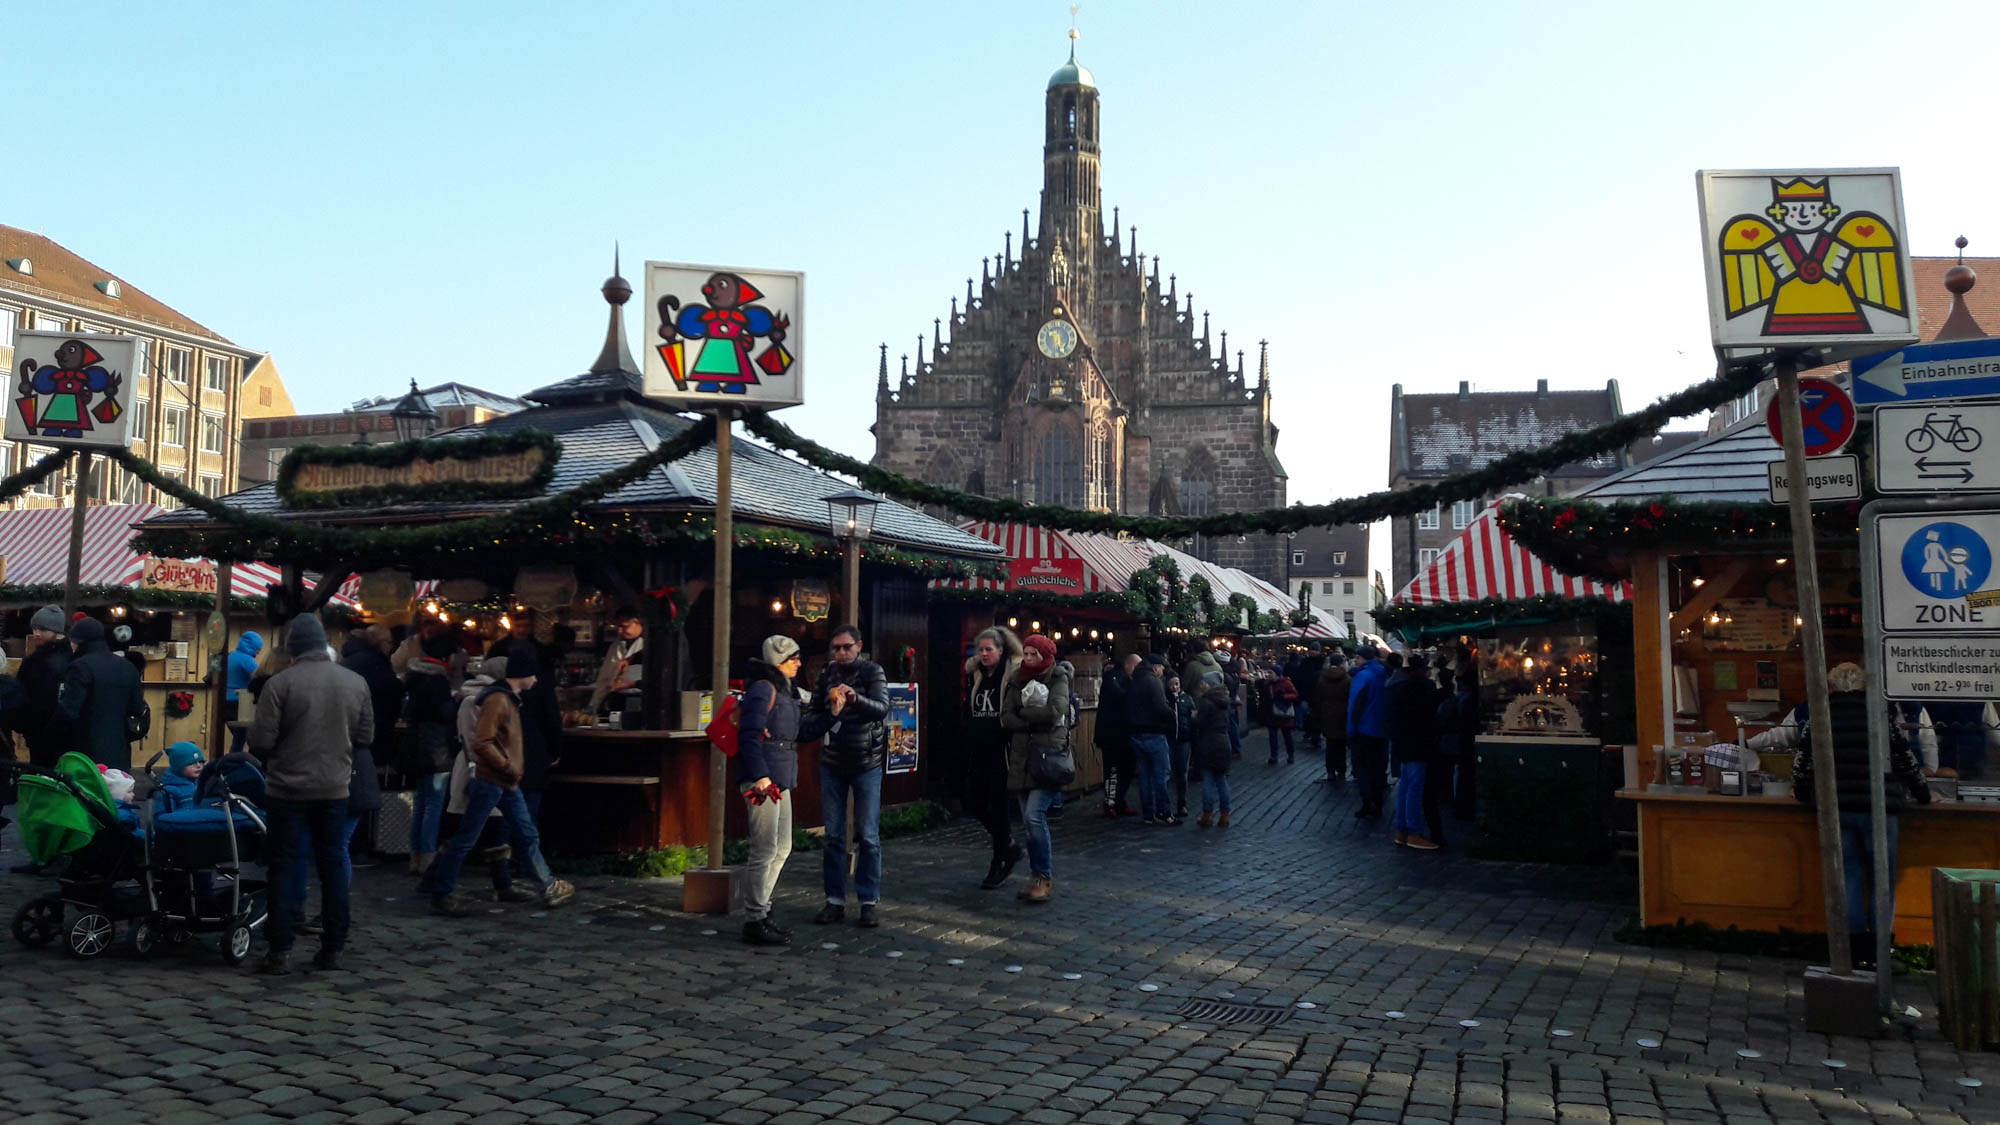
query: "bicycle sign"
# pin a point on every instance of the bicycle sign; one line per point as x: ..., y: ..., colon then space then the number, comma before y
x: 1827, y: 412
x: 1937, y: 447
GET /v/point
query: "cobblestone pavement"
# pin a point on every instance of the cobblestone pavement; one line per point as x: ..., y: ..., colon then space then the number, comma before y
x: 967, y: 1005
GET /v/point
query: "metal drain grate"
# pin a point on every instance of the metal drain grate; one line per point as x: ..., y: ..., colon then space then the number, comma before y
x: 1215, y: 1011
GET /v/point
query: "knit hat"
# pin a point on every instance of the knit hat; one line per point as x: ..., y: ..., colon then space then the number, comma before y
x: 49, y: 617
x: 181, y: 755
x: 1044, y: 646
x: 779, y: 648
x: 306, y: 635
x: 87, y: 630
x: 493, y: 668
x: 523, y: 661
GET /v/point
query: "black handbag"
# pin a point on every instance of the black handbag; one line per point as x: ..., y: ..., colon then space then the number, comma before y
x: 1051, y: 767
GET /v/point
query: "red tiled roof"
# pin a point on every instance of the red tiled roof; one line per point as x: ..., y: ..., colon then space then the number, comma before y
x: 1934, y: 300
x: 62, y: 275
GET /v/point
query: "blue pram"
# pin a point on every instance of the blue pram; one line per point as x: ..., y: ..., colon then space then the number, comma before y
x: 197, y: 853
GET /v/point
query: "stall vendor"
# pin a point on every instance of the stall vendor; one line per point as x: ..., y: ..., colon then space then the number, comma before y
x: 624, y: 663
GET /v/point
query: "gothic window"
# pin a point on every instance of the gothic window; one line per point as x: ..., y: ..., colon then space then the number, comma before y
x: 943, y: 468
x: 976, y: 482
x: 1197, y: 495
x: 1163, y: 501
x: 1059, y: 469
x: 1069, y: 116
x: 1101, y: 477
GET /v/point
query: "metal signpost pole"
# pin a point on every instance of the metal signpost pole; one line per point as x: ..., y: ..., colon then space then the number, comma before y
x: 1878, y: 741
x: 1813, y: 643
x: 71, y: 593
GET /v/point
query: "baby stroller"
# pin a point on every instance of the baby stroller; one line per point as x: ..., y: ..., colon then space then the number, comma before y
x: 195, y: 879
x: 68, y: 811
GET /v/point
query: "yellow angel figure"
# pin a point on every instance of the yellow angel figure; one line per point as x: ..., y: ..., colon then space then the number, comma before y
x: 1811, y: 275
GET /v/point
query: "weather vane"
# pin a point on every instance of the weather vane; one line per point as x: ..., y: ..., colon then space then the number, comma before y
x: 1074, y: 34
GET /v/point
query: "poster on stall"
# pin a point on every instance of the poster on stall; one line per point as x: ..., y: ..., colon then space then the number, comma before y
x: 902, y: 729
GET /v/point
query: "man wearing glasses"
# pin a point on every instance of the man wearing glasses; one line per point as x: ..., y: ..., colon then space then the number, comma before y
x: 848, y: 709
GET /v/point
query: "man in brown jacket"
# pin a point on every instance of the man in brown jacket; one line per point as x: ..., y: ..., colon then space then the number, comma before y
x: 1329, y: 713
x: 498, y: 760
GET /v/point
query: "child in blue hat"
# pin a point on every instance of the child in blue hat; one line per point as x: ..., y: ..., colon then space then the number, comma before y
x: 184, y: 763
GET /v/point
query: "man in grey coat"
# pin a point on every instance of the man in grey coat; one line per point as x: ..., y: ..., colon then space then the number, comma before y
x: 310, y: 718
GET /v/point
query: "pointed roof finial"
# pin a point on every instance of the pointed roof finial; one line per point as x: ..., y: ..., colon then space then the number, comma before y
x: 616, y: 355
x: 1264, y: 364
x: 1960, y: 279
x: 1074, y: 34
x: 882, y: 373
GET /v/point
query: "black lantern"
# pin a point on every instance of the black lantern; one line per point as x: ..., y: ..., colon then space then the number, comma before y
x: 851, y: 514
x: 413, y: 416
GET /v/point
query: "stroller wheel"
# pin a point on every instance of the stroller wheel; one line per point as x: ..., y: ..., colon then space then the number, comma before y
x: 37, y: 923
x: 91, y: 934
x: 236, y: 943
x: 145, y: 937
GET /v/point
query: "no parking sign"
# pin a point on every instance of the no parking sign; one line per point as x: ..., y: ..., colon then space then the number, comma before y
x: 1828, y: 414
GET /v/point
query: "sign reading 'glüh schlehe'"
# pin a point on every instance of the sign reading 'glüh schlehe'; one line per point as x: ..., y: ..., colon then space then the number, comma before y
x: 1049, y: 576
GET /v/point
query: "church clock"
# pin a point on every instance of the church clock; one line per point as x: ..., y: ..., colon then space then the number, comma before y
x: 1057, y: 339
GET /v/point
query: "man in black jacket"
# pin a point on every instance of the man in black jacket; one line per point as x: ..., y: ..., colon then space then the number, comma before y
x: 42, y: 724
x: 101, y: 694
x: 1412, y: 701
x: 848, y: 709
x: 1150, y: 718
x: 1114, y: 737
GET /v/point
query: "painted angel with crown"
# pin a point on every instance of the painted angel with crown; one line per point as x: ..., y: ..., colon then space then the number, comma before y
x: 1811, y: 265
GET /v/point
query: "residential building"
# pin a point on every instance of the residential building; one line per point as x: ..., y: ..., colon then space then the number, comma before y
x: 1434, y: 436
x: 188, y: 389
x: 1074, y: 374
x: 1329, y: 566
x: 266, y: 440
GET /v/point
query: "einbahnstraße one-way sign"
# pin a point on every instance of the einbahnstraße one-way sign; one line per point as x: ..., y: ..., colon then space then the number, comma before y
x: 1959, y: 369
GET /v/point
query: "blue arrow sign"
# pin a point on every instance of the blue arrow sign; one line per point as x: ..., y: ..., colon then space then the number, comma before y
x: 1960, y: 369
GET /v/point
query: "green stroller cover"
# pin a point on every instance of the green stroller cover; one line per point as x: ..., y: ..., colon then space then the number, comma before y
x: 53, y: 822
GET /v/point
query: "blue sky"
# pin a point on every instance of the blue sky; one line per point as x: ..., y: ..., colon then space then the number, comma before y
x: 1413, y: 193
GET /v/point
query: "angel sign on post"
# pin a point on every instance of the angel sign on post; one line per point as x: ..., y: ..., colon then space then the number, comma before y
x: 724, y: 336
x: 71, y: 388
x: 1801, y: 259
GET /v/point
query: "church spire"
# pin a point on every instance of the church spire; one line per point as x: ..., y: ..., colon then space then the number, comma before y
x: 882, y: 372
x: 1264, y: 365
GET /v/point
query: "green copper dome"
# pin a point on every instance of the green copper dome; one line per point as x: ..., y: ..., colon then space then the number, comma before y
x: 1072, y: 73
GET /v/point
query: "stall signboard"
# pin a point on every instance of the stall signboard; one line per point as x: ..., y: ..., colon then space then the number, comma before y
x: 545, y: 587
x: 182, y: 576
x: 902, y: 724
x: 1827, y: 479
x: 72, y: 389
x: 812, y: 600
x: 1957, y: 369
x: 1936, y: 572
x: 1801, y: 258
x: 510, y: 466
x: 724, y: 336
x: 1938, y: 447
x: 387, y: 592
x: 1045, y: 576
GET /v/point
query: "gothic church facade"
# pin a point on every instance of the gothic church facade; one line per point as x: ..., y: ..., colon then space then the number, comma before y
x: 1073, y: 375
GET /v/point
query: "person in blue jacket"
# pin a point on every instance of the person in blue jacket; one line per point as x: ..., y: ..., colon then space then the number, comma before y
x: 177, y: 785
x: 1368, y: 731
x: 767, y: 770
x: 242, y: 666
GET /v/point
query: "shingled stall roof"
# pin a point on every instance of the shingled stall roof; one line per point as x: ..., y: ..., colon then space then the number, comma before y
x: 1730, y: 466
x: 599, y: 436
x: 1440, y: 435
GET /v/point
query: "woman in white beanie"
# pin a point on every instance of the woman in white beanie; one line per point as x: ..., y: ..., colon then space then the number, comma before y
x: 767, y: 770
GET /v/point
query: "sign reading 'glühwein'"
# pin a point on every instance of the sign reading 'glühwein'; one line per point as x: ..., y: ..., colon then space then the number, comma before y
x: 486, y: 467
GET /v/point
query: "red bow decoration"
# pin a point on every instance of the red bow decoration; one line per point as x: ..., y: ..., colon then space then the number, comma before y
x: 670, y: 595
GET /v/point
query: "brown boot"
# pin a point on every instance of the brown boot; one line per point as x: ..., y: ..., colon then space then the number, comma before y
x: 1420, y: 844
x: 1206, y: 821
x: 1222, y: 821
x: 1038, y: 890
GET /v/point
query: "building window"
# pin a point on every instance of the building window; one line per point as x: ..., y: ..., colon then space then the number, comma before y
x: 174, y: 424
x: 215, y: 373
x: 1197, y: 496
x: 179, y: 360
x: 1426, y: 557
x: 142, y: 361
x: 1298, y: 558
x: 47, y: 322
x: 141, y: 424
x: 211, y: 484
x: 211, y: 433
x: 263, y: 396
x: 1462, y: 512
x: 100, y: 481
x: 8, y: 319
x: 47, y: 485
x: 175, y: 475
x: 1427, y: 520
x: 1347, y: 618
x: 1326, y: 587
x: 272, y: 459
x: 1347, y: 588
x: 131, y: 490
x: 1340, y: 558
x: 1059, y: 469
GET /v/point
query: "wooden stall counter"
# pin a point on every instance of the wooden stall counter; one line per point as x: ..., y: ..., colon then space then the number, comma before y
x: 634, y: 790
x: 1753, y: 862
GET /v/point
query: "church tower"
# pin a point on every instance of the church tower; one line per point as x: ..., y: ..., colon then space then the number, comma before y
x: 1070, y: 194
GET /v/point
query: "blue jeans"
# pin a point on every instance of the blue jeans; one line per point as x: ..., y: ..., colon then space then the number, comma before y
x: 533, y: 800
x: 481, y: 798
x: 1154, y: 762
x: 302, y: 867
x: 1272, y: 733
x: 1035, y: 815
x: 1857, y: 856
x: 1214, y: 792
x: 294, y: 826
x: 833, y: 792
x: 428, y: 792
x: 1410, y: 799
x: 1177, y: 780
x: 1304, y: 720
x: 1235, y: 732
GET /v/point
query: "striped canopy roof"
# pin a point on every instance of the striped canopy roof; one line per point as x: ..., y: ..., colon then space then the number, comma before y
x: 1485, y: 562
x: 35, y: 543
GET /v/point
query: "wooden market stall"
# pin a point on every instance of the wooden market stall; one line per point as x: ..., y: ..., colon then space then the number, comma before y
x: 632, y: 771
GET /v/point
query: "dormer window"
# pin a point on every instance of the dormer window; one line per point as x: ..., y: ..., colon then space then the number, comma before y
x: 110, y: 288
x: 23, y: 266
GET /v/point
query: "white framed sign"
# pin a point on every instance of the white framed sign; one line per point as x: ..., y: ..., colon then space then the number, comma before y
x: 1807, y: 258
x: 72, y: 389
x: 723, y: 335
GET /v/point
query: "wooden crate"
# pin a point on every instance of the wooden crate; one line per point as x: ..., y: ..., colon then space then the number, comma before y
x: 1965, y: 911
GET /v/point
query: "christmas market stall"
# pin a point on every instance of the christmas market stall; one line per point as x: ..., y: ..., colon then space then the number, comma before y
x: 1552, y: 655
x: 586, y: 523
x: 163, y: 610
x: 1718, y: 670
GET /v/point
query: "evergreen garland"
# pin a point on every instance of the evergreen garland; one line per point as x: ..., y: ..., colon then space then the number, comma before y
x: 1514, y: 468
x: 398, y: 454
x: 52, y: 593
x: 1587, y: 538
x: 1492, y: 611
x: 1118, y: 601
x: 34, y: 474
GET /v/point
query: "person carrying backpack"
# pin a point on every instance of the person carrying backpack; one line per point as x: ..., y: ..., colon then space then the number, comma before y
x: 1281, y: 715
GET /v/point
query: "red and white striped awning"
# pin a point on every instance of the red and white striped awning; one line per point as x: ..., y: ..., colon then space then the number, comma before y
x: 1316, y: 630
x: 1485, y: 562
x: 35, y: 543
x: 1106, y: 564
x: 350, y: 590
x: 246, y: 579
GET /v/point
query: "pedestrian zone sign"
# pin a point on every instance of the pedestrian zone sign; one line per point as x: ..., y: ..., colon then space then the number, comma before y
x: 1935, y: 568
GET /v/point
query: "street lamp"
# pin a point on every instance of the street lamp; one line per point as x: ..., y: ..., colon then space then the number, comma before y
x: 850, y: 517
x: 413, y: 416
